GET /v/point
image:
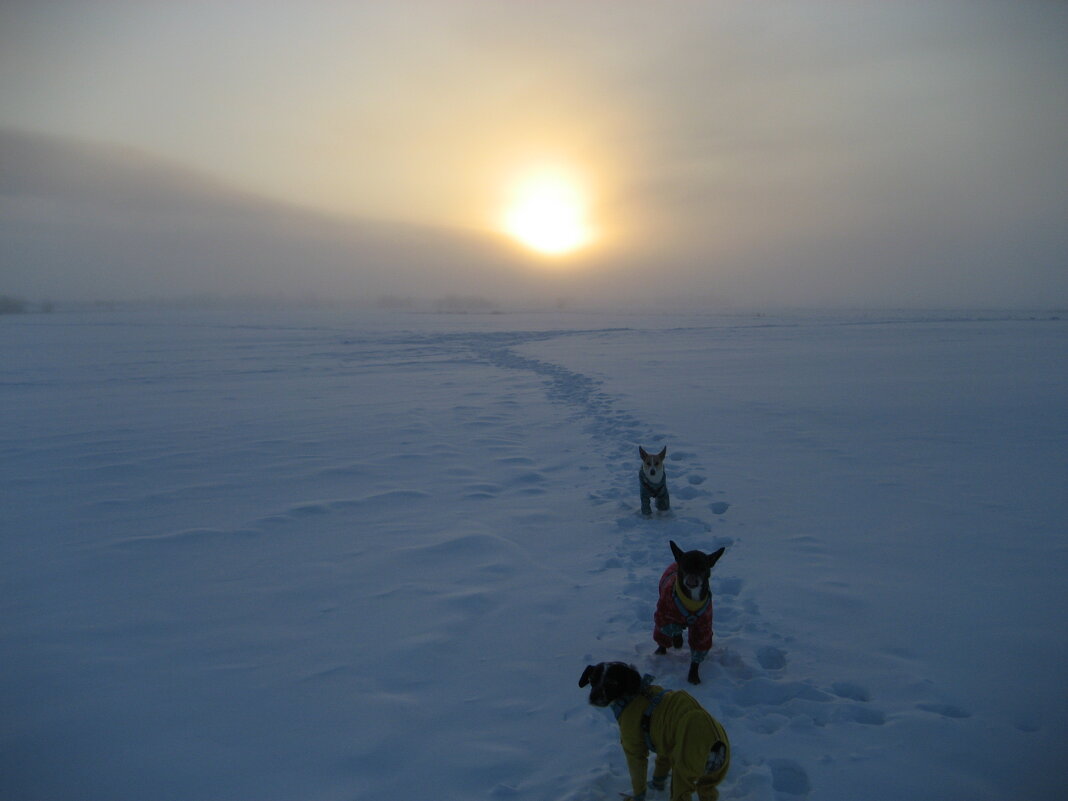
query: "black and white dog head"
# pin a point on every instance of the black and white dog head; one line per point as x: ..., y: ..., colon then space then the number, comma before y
x: 694, y: 569
x: 653, y: 465
x: 610, y: 681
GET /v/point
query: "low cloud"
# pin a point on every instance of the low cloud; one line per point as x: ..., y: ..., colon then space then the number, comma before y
x: 83, y: 222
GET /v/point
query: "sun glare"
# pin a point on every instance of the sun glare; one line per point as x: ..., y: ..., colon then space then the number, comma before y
x: 548, y: 212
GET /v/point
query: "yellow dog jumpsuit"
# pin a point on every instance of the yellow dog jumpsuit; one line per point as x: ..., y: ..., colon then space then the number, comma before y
x: 682, y: 734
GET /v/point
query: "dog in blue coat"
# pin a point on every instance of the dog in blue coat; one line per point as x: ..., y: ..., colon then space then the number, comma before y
x: 652, y: 481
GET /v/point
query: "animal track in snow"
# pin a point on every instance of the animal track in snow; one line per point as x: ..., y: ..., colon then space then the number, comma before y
x: 771, y: 658
x: 847, y: 689
x: 686, y: 493
x: 728, y: 585
x: 945, y: 710
x: 747, y: 680
x: 789, y: 777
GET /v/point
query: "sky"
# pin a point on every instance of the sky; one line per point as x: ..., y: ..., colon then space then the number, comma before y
x: 721, y: 154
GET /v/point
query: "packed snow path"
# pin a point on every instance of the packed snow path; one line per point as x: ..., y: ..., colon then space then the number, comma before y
x: 758, y: 687
x: 277, y: 557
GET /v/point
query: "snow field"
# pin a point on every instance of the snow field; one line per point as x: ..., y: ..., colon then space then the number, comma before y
x: 314, y: 556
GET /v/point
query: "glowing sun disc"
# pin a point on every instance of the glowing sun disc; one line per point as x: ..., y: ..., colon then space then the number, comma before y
x: 548, y: 214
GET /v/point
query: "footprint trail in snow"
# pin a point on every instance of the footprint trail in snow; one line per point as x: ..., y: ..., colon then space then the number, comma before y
x: 747, y: 680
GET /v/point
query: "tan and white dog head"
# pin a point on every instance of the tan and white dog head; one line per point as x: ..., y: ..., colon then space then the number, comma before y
x: 652, y: 465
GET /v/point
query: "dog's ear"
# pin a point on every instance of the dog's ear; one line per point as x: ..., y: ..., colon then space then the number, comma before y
x: 642, y: 453
x: 662, y: 454
x: 586, y: 675
x: 714, y: 557
x: 676, y: 551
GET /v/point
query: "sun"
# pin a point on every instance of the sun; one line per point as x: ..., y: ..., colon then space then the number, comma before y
x: 548, y: 212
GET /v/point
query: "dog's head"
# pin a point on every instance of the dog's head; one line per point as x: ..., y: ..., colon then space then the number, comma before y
x: 652, y: 463
x: 610, y: 681
x: 694, y: 569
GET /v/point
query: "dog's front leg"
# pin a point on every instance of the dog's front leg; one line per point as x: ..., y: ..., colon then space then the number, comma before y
x: 694, y: 676
x: 667, y: 635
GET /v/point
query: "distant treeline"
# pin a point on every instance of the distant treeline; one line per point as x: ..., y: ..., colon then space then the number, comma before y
x: 12, y: 305
x: 450, y: 304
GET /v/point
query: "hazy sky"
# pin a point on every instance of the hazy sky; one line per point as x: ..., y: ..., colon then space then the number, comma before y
x: 793, y: 153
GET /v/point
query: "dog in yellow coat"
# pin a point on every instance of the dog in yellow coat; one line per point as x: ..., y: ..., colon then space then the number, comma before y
x: 689, y: 743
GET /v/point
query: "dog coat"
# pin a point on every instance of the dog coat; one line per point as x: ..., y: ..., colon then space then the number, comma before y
x: 680, y: 732
x: 675, y: 612
x: 649, y: 491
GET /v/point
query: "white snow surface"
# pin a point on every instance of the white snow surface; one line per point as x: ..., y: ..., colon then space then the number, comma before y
x: 321, y: 555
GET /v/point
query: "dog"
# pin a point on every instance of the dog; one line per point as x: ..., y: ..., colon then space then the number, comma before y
x: 688, y: 742
x: 685, y: 602
x: 652, y: 481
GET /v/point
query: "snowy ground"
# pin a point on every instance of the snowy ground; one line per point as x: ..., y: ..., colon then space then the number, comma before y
x: 312, y: 556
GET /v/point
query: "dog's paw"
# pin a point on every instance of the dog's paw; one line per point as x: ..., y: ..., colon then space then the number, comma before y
x: 660, y: 650
x: 694, y: 676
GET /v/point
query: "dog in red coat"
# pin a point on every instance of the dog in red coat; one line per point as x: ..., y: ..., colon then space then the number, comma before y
x: 685, y: 603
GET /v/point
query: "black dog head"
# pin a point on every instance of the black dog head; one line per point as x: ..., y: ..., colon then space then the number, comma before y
x: 610, y: 681
x: 694, y: 569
